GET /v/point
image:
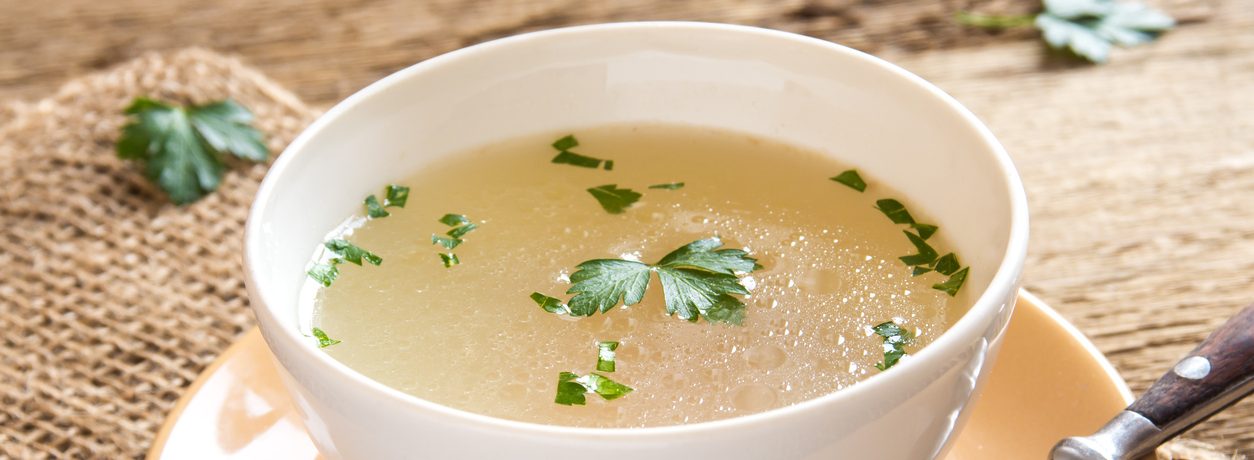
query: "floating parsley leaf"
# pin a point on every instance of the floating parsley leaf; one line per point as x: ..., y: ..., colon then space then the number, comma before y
x: 549, y: 304
x: 374, y: 209
x: 181, y: 148
x: 605, y: 355
x: 571, y: 388
x: 895, y: 340
x: 1089, y: 28
x: 566, y: 143
x: 448, y: 243
x: 323, y: 340
x: 449, y: 259
x: 670, y: 186
x: 920, y: 269
x: 396, y: 195
x: 948, y: 264
x: 954, y: 283
x: 462, y: 231
x: 895, y: 211
x: 851, y: 179
x: 325, y: 273
x: 926, y: 254
x: 570, y: 392
x: 453, y: 220
x: 613, y: 199
x: 696, y: 280
x: 609, y: 165
x: 352, y: 253
x: 925, y: 230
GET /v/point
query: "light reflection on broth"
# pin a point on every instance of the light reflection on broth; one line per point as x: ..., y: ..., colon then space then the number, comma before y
x: 469, y: 337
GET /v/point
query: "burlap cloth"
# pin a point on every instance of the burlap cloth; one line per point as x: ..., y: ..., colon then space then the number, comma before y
x: 112, y: 301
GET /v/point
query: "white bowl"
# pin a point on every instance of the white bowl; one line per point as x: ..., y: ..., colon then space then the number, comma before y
x: 891, y: 124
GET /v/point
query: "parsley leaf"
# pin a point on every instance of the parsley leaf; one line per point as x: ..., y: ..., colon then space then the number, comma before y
x: 352, y: 253
x: 449, y: 259
x: 851, y: 179
x: 1089, y: 28
x: 605, y: 355
x: 448, y: 243
x: 895, y: 340
x: 696, y: 280
x: 453, y: 220
x: 601, y: 284
x: 181, y: 148
x: 926, y: 256
x: 394, y: 196
x: 954, y: 283
x: 323, y: 340
x: 549, y: 304
x: 565, y: 156
x: 462, y: 231
x: 670, y: 186
x: 570, y: 392
x: 895, y: 211
x: 613, y: 199
x: 571, y: 388
x: 948, y: 264
x: 325, y: 273
x: 374, y: 209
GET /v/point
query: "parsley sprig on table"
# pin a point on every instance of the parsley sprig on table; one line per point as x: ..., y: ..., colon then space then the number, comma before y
x: 182, y: 148
x: 698, y: 279
x: 1088, y: 28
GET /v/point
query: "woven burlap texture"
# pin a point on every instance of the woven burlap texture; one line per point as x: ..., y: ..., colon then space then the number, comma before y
x: 113, y: 300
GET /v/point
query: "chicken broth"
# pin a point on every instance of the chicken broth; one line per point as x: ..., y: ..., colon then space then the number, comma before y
x: 466, y: 333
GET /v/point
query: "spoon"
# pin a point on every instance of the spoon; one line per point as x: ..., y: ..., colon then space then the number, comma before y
x: 1216, y: 374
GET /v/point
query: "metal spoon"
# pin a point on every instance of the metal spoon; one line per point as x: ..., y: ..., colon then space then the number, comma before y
x: 1216, y: 374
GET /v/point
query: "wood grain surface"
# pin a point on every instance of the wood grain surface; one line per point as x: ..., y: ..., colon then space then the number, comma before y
x: 1140, y: 173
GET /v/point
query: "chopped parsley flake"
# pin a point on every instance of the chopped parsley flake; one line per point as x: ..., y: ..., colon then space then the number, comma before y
x: 549, y: 304
x: 394, y: 196
x: 895, y: 340
x: 954, y: 283
x: 571, y: 388
x: 565, y: 156
x: 453, y: 220
x: 605, y: 355
x: 670, y: 186
x: 352, y: 253
x: 613, y: 199
x: 323, y: 340
x: 895, y: 211
x: 447, y: 242
x: 449, y: 259
x: 325, y: 273
x: 851, y: 179
x: 462, y: 231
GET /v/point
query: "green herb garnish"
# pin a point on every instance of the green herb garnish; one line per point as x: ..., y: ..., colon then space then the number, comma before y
x: 325, y: 273
x: 462, y: 231
x: 352, y: 253
x: 926, y: 254
x: 571, y: 388
x: 449, y: 259
x: 613, y: 199
x: 895, y: 341
x: 670, y: 186
x: 1088, y: 28
x: 947, y: 264
x: 851, y: 179
x: 393, y: 196
x: 323, y: 340
x: 549, y: 304
x: 453, y: 220
x: 895, y: 211
x: 605, y: 355
x: 182, y: 148
x: 447, y: 242
x: 696, y: 280
x: 565, y: 156
x: 954, y: 283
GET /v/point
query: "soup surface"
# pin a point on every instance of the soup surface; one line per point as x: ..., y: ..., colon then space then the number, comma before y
x: 469, y: 336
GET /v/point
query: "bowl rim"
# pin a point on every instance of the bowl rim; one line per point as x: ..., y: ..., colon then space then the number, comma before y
x: 987, y: 305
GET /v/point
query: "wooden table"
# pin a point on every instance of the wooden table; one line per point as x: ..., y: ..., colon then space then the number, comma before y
x: 1140, y: 173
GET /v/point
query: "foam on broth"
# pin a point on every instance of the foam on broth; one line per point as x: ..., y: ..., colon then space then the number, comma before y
x: 470, y: 338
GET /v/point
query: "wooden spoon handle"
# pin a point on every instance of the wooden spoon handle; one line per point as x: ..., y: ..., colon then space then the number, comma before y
x: 1216, y: 374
